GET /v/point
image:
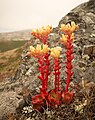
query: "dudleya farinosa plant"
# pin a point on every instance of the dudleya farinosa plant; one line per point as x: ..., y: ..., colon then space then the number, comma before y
x: 42, y: 53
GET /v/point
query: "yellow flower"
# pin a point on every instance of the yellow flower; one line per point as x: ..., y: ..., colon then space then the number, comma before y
x: 62, y: 27
x: 45, y: 49
x: 44, y: 31
x: 68, y: 29
x: 55, y: 52
x: 72, y: 36
x: 41, y: 32
x: 32, y: 50
x: 35, y: 51
x: 33, y: 32
x: 64, y: 39
x: 48, y: 29
x: 37, y: 31
x: 38, y: 49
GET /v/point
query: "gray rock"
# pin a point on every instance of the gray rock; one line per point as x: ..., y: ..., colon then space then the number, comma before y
x: 82, y: 64
x: 88, y: 20
x: 89, y: 74
x: 89, y: 50
x: 85, y: 57
x: 93, y: 64
x: 78, y: 73
x: 94, y: 27
x: 92, y: 35
x: 8, y: 102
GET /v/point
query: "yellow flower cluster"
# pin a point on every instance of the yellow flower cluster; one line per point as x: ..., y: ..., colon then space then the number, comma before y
x: 44, y: 31
x: 64, y: 38
x: 68, y: 29
x: 39, y: 50
x: 55, y: 52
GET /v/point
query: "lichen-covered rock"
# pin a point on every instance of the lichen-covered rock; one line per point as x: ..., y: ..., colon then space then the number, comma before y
x: 89, y: 50
x: 8, y: 102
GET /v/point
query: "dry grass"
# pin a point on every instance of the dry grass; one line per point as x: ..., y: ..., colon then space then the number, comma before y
x: 8, y: 62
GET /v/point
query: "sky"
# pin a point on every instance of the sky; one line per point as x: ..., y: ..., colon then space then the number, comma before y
x: 29, y: 14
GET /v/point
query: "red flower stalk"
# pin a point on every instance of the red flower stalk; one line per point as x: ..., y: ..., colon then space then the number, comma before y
x: 42, y: 75
x: 69, y: 57
x: 54, y: 98
x: 67, y: 40
x: 44, y: 70
x: 40, y: 99
x: 44, y: 40
x: 55, y: 94
x: 57, y: 74
x: 42, y: 34
x: 68, y: 96
x: 41, y: 53
x: 43, y: 60
x: 47, y: 66
x: 39, y: 102
x: 55, y: 53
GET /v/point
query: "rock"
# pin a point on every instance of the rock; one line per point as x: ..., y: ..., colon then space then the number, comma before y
x: 25, y: 101
x: 82, y: 64
x: 89, y: 74
x: 78, y: 73
x: 93, y: 64
x: 88, y: 20
x: 94, y: 27
x: 85, y: 57
x: 91, y: 4
x: 89, y: 50
x: 92, y: 35
x: 20, y: 105
x: 91, y: 15
x: 29, y: 72
x: 28, y: 109
x: 94, y: 51
x: 54, y: 36
x: 8, y: 102
x: 26, y: 95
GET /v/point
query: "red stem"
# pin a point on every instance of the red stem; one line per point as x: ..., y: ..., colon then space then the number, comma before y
x: 44, y: 67
x: 69, y: 57
x: 47, y: 64
x: 42, y: 74
x: 44, y: 70
x: 43, y: 39
x: 57, y: 74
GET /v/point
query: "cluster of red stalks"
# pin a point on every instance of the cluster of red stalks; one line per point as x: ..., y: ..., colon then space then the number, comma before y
x: 56, y: 96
